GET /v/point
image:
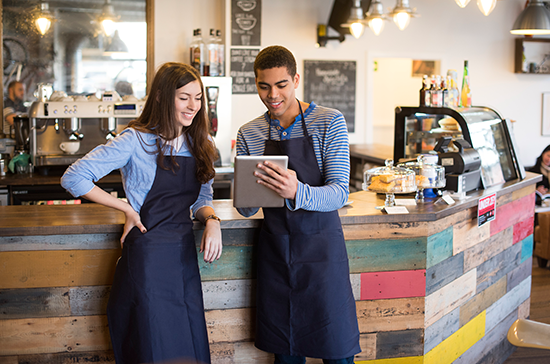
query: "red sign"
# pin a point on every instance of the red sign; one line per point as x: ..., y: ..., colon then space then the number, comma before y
x: 486, y: 209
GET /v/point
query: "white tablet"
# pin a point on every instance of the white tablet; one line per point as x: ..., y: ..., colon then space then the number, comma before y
x: 247, y: 192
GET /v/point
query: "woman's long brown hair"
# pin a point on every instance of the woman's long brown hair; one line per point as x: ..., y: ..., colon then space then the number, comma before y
x: 159, y: 118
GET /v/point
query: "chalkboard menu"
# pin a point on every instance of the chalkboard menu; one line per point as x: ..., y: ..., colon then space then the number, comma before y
x: 242, y: 70
x: 246, y: 22
x: 332, y: 84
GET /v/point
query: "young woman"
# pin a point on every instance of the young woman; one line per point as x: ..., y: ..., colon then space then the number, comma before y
x: 166, y: 157
x: 542, y: 166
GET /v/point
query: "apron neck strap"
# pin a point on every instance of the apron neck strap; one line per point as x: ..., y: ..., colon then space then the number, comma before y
x: 304, y: 128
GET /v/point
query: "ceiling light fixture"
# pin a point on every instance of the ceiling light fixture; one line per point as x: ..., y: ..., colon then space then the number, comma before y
x: 356, y: 20
x: 402, y: 14
x: 323, y: 38
x: 116, y: 45
x: 486, y: 6
x: 462, y: 3
x: 533, y: 20
x: 376, y: 17
x: 44, y: 18
x: 108, y: 18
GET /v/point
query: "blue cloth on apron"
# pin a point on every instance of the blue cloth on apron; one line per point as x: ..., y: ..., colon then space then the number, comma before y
x: 156, y: 310
x: 304, y: 297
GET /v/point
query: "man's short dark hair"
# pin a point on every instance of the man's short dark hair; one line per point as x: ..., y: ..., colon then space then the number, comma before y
x: 13, y: 83
x: 274, y: 57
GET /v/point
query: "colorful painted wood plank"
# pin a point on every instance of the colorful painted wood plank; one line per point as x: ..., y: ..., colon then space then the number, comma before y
x: 368, y: 347
x: 439, y: 247
x: 89, y: 300
x: 57, y: 268
x: 481, y: 301
x: 526, y: 248
x: 467, y: 234
x: 458, y: 343
x: 441, y: 329
x: 497, y: 267
x: 238, y: 353
x: 386, y: 255
x: 235, y: 263
x: 239, y: 293
x: 524, y: 309
x: 396, y: 284
x: 395, y: 230
x: 34, y: 302
x: 449, y: 297
x: 487, y: 249
x: 396, y: 344
x: 489, y: 342
x: 498, y: 311
x: 525, y: 191
x: 60, y: 242
x: 513, y: 212
x: 96, y: 357
x: 355, y: 280
x: 233, y: 236
x: 444, y: 272
x: 53, y: 335
x: 519, y: 274
x: 230, y: 325
x: 405, y: 360
x: 523, y: 229
x: 388, y: 315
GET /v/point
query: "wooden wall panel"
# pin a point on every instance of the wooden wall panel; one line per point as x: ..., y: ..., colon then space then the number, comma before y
x: 368, y: 347
x: 439, y: 247
x: 523, y: 229
x: 96, y: 357
x: 395, y: 344
x: 404, y: 360
x: 355, y: 280
x: 487, y: 249
x: 388, y: 255
x: 519, y: 274
x: 467, y: 234
x: 481, y: 301
x: 498, y: 311
x: 60, y: 242
x: 396, y: 284
x: 513, y: 212
x: 34, y: 302
x: 524, y: 309
x: 389, y: 315
x: 238, y: 353
x: 230, y: 325
x: 53, y: 335
x: 527, y: 248
x: 444, y: 273
x: 228, y: 294
x: 441, y: 329
x: 236, y: 262
x: 458, y: 343
x: 57, y: 268
x: 90, y: 300
x: 453, y: 295
x: 497, y: 267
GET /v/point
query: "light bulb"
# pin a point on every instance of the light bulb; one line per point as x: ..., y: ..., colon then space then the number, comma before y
x: 462, y: 3
x: 486, y: 6
x: 43, y: 24
x: 108, y: 26
x: 377, y: 25
x: 357, y: 29
x: 402, y: 19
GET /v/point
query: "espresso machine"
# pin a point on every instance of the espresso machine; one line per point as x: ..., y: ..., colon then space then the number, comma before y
x: 63, y: 129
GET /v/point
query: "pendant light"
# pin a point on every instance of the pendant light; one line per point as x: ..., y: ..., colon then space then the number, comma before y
x: 376, y: 17
x: 116, y: 45
x: 533, y: 20
x: 402, y: 14
x: 356, y: 20
x: 462, y: 3
x: 44, y: 18
x: 486, y: 6
x: 108, y: 18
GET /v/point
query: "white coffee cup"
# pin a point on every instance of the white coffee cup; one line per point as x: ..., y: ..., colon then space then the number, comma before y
x: 69, y: 147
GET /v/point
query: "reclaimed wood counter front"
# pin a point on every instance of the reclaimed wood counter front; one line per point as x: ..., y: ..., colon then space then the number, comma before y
x: 430, y: 286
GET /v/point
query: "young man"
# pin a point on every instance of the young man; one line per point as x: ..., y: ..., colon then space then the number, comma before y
x: 305, y: 304
x: 13, y: 104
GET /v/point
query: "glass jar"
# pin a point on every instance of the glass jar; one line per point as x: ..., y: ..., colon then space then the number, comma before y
x: 389, y: 180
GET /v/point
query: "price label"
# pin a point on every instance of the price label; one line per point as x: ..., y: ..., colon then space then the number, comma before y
x: 396, y: 210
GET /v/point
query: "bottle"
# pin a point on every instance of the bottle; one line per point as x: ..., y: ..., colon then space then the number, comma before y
x: 465, y: 95
x: 435, y: 92
x: 213, y: 58
x: 197, y: 52
x: 454, y: 94
x: 424, y: 92
x: 221, y: 53
x: 445, y: 87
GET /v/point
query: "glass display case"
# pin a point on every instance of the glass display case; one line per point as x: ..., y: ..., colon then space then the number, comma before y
x: 418, y: 129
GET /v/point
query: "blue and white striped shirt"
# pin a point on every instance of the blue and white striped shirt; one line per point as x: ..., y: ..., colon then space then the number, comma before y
x: 331, y: 145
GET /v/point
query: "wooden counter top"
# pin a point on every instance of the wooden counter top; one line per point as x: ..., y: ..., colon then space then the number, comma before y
x: 93, y: 218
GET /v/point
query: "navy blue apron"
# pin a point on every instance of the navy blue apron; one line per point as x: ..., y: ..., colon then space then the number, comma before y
x: 155, y: 310
x: 305, y: 303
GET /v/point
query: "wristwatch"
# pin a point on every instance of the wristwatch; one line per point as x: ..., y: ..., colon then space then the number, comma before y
x: 211, y: 217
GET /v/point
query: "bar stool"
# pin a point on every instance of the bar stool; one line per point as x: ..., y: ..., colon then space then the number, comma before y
x: 529, y: 334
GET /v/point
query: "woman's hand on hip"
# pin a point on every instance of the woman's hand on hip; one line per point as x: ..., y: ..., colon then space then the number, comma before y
x: 211, y: 242
x: 132, y: 219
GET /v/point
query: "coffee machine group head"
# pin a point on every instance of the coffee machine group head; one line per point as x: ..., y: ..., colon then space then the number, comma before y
x: 72, y: 128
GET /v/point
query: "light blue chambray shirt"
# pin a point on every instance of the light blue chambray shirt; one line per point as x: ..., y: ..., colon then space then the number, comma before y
x: 127, y: 152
